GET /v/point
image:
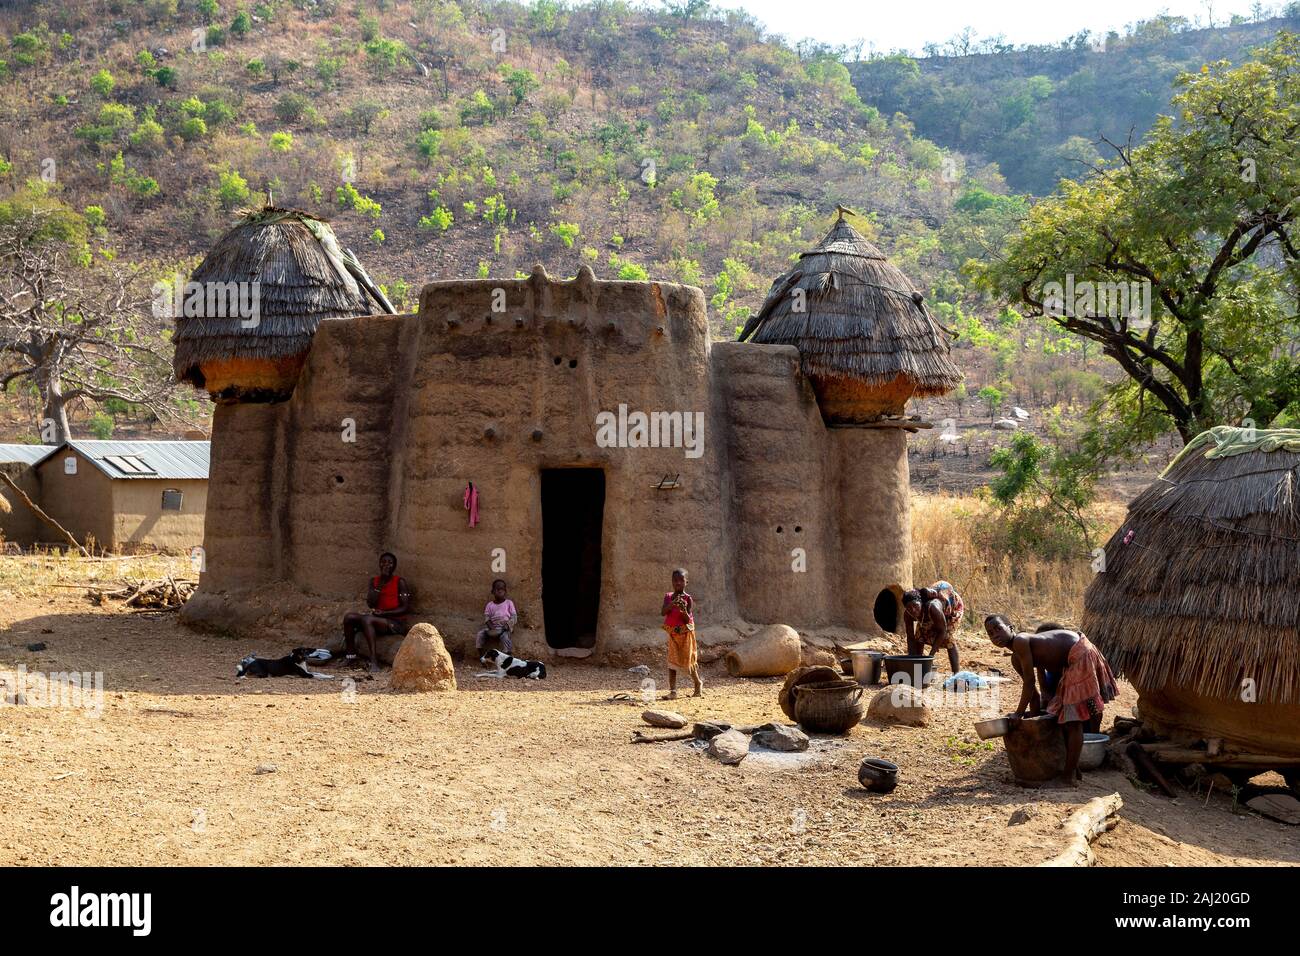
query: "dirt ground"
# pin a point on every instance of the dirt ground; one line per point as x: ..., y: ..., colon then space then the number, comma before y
x: 503, y: 772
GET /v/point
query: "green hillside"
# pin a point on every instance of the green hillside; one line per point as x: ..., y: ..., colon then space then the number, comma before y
x: 1041, y: 112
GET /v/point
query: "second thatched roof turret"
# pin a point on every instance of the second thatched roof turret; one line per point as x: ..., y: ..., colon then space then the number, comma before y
x: 866, y: 339
x: 262, y: 291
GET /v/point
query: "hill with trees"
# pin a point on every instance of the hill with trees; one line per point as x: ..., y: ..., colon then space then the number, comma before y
x: 1042, y: 113
x: 460, y: 139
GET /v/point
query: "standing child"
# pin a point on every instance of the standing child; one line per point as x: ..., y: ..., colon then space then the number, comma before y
x: 679, y: 622
x: 499, y: 619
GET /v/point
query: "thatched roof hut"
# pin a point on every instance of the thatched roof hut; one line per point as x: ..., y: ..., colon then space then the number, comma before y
x: 1197, y: 605
x: 302, y: 277
x: 866, y: 339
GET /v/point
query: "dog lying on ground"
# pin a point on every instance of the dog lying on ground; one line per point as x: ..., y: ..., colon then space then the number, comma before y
x: 294, y: 665
x: 507, y: 666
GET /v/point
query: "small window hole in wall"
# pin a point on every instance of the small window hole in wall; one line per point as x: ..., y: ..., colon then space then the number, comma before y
x: 558, y: 360
x: 171, y: 500
x: 338, y: 479
x: 573, y: 363
x: 780, y: 530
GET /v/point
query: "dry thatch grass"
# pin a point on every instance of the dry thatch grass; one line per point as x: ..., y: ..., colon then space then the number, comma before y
x: 44, y: 572
x: 1201, y: 578
x: 862, y: 320
x: 299, y: 287
x: 949, y: 542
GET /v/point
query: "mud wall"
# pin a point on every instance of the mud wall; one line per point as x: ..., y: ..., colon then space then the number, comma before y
x: 875, y: 520
x: 20, y: 525
x: 497, y: 396
x: 1259, y: 727
x: 239, y: 538
x: 82, y: 503
x: 139, y: 519
x: 776, y: 517
x: 783, y: 501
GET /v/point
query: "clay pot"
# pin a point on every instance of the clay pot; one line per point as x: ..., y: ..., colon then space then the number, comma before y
x: 831, y: 707
x: 878, y: 776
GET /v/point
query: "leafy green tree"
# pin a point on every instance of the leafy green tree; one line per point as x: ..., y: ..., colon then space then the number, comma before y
x: 567, y: 232
x: 102, y: 83
x: 232, y: 189
x: 992, y: 398
x: 520, y: 82
x: 440, y: 219
x: 385, y: 56
x: 364, y: 115
x: 1045, y: 483
x: 192, y: 128
x: 1199, y: 219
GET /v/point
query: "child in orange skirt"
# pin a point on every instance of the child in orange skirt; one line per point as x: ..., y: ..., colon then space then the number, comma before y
x: 679, y: 622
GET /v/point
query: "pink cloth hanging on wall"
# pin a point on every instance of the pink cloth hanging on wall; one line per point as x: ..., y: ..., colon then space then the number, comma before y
x: 471, y: 503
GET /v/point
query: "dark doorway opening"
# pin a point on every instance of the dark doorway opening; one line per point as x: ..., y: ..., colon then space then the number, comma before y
x: 888, y: 610
x: 573, y: 514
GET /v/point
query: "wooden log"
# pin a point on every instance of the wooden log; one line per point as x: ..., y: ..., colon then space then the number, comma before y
x: 638, y: 737
x: 1147, y: 766
x: 36, y: 510
x: 1082, y: 827
x: 1168, y: 752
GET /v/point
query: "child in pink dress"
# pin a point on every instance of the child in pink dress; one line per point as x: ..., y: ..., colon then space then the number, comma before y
x: 499, y: 619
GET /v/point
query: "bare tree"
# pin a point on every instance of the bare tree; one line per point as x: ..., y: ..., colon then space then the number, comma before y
x: 77, y: 333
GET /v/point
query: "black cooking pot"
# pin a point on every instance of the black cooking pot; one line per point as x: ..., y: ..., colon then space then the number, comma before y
x: 878, y: 776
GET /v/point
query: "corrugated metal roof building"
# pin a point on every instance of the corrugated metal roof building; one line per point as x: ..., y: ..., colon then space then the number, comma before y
x: 142, y: 459
x: 125, y: 495
x: 23, y: 454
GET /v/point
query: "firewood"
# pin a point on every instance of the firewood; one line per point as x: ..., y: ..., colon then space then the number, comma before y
x: 1082, y: 827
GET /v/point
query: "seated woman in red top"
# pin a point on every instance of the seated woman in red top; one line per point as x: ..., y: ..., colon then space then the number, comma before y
x: 389, y: 599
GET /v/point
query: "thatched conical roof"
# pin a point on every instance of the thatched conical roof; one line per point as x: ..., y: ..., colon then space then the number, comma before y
x: 303, y: 277
x: 862, y: 319
x: 1200, y: 585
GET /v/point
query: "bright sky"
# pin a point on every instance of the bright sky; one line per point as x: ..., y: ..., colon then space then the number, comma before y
x: 910, y: 24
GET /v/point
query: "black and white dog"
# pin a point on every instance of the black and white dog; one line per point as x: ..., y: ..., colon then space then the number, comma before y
x: 295, y: 665
x: 507, y: 666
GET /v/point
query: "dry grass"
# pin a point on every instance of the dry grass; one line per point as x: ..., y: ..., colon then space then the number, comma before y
x: 1027, y: 588
x: 46, y: 573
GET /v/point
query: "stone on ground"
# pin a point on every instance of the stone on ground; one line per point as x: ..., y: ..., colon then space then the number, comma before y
x: 812, y: 656
x: 730, y: 746
x: 902, y: 703
x: 705, y: 730
x: 422, y: 662
x: 664, y: 718
x: 780, y: 737
x: 1277, y: 806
